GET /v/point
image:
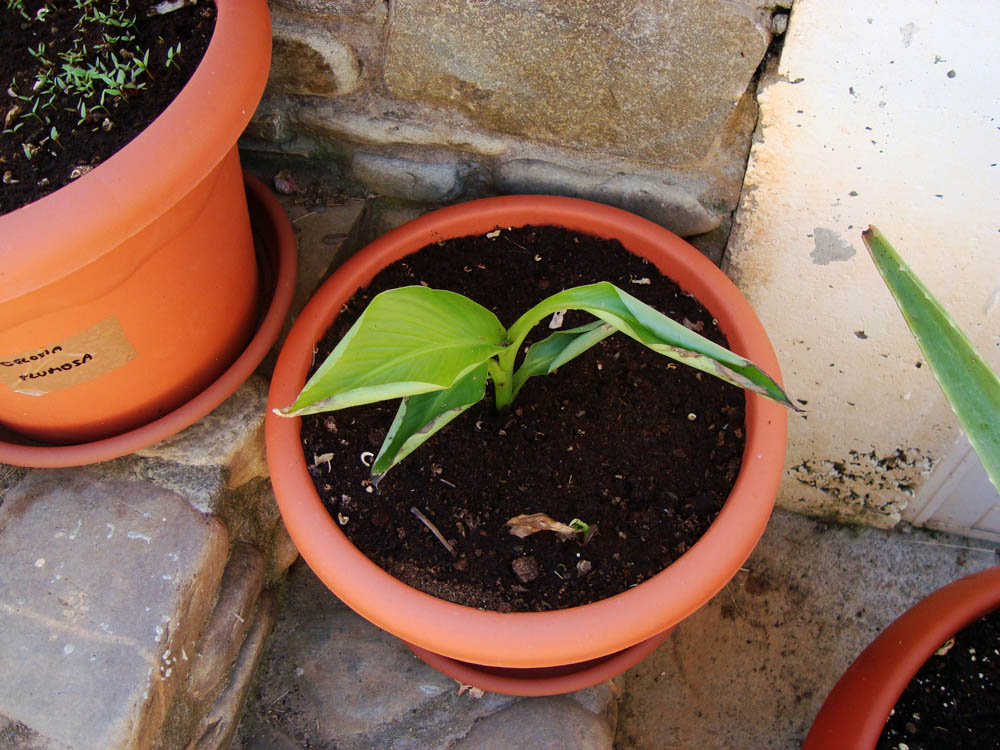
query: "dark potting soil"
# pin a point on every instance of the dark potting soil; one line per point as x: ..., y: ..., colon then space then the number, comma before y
x: 622, y: 438
x: 55, y: 128
x: 954, y: 699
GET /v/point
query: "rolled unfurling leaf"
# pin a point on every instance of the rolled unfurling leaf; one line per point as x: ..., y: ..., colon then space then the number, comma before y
x: 648, y: 326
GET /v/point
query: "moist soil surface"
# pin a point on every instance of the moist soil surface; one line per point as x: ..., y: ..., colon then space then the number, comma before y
x: 954, y: 699
x: 621, y: 437
x: 46, y: 120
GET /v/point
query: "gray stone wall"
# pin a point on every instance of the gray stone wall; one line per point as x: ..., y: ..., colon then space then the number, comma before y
x: 644, y: 104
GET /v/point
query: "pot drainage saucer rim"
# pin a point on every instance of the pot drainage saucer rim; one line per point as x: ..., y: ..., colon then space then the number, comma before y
x: 542, y: 681
x: 281, y: 255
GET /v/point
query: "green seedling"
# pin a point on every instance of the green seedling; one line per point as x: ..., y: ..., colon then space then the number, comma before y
x: 173, y: 56
x: 971, y: 387
x: 436, y: 350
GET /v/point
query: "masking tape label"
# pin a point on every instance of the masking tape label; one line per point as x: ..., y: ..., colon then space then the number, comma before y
x: 78, y: 359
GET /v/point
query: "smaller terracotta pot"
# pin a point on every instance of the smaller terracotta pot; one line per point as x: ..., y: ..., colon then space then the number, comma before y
x: 854, y: 713
x: 277, y: 258
x: 530, y: 653
x: 128, y: 291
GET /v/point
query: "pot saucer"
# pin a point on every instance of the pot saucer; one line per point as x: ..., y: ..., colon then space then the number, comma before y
x: 541, y: 681
x: 276, y: 251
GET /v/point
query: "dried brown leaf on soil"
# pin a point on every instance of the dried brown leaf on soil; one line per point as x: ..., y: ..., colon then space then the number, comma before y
x: 528, y: 524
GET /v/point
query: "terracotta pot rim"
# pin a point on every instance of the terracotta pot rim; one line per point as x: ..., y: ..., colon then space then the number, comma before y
x: 531, y: 639
x: 216, y: 104
x: 265, y: 208
x: 855, y: 711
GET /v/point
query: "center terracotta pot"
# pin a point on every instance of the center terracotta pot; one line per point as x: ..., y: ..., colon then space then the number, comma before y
x: 531, y: 653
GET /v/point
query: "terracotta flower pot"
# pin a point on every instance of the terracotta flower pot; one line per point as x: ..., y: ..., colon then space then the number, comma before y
x: 126, y: 292
x: 854, y: 713
x: 276, y: 254
x: 531, y: 653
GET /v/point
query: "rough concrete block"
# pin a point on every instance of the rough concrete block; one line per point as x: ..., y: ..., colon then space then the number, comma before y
x: 653, y: 80
x: 227, y: 626
x: 231, y: 436
x: 9, y: 476
x: 340, y: 123
x: 309, y: 58
x: 269, y: 738
x: 16, y: 736
x: 552, y: 723
x: 325, y: 234
x: 330, y: 678
x: 268, y: 125
x: 283, y: 551
x: 219, y: 725
x: 427, y: 182
x: 602, y: 700
x: 328, y: 7
x: 670, y: 206
x: 104, y: 588
x: 385, y: 214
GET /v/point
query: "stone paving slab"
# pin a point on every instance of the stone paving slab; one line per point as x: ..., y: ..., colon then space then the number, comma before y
x: 752, y: 667
x: 230, y: 436
x: 553, y: 723
x: 219, y: 724
x: 104, y: 587
x: 331, y: 679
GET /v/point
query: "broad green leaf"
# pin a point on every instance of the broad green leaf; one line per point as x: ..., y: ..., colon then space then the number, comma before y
x: 556, y: 350
x: 420, y: 416
x: 655, y: 330
x: 971, y: 387
x: 408, y: 341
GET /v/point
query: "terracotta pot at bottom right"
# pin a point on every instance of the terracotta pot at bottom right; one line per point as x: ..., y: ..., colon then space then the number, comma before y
x: 854, y: 713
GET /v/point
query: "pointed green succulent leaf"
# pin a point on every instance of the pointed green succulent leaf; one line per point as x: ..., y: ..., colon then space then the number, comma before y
x: 408, y: 341
x: 420, y: 416
x: 971, y: 387
x: 554, y: 351
x: 652, y: 328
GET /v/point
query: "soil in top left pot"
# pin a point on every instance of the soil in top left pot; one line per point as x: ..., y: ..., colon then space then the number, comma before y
x: 65, y: 110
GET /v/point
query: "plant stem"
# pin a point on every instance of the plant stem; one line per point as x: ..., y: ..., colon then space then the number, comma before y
x: 501, y: 372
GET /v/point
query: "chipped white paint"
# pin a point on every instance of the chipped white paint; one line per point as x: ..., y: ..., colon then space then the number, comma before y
x: 40, y: 562
x: 136, y: 535
x: 68, y: 649
x: 75, y: 532
x: 111, y: 530
x: 889, y: 114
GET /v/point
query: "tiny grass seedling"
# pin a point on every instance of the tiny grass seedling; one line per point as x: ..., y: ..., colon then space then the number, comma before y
x: 79, y: 78
x: 436, y: 349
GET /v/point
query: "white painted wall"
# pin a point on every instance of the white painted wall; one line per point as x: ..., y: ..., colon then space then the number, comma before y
x: 885, y: 113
